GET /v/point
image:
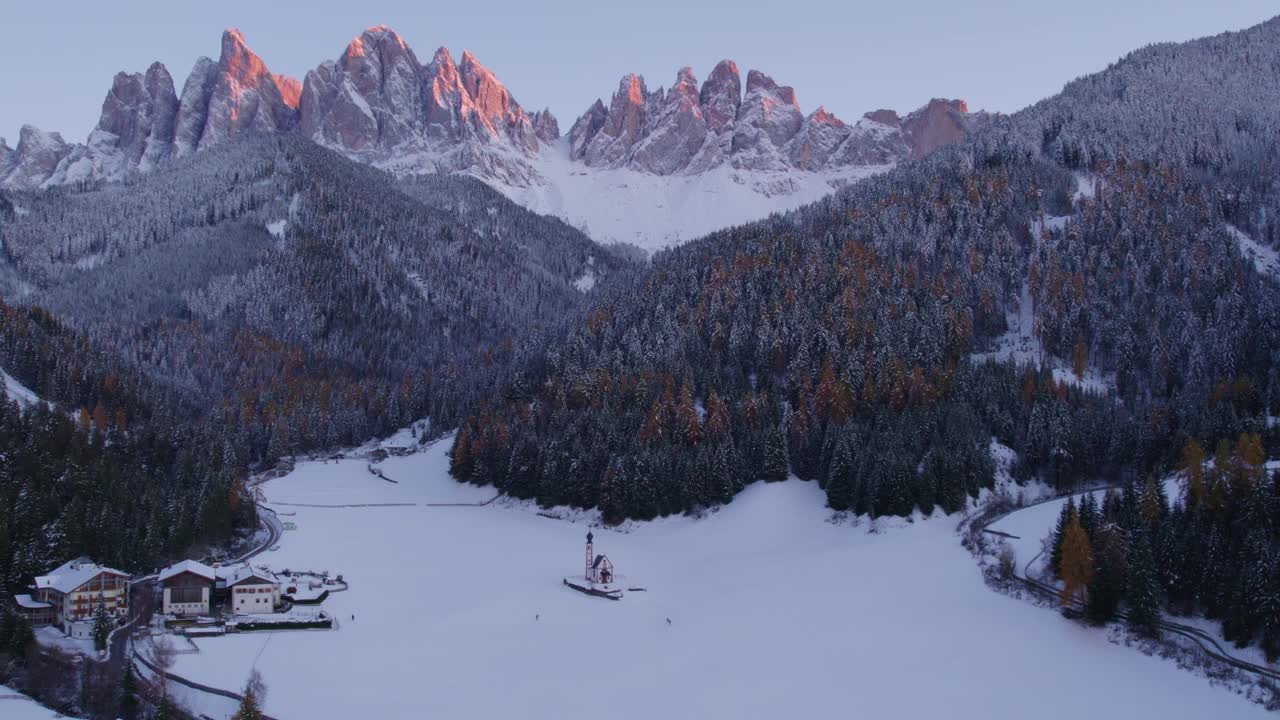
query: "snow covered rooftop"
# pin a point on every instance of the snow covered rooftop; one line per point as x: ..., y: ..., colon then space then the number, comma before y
x: 188, y: 566
x: 230, y: 575
x: 30, y: 603
x: 74, y: 573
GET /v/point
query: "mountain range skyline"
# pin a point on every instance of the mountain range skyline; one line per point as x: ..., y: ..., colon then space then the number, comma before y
x: 552, y: 59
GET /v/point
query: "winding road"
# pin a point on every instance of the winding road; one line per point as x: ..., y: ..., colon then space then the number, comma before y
x: 1207, y: 643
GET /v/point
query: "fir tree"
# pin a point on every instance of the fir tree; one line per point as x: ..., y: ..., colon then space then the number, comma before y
x: 1142, y: 593
x: 1065, y: 517
x: 1088, y: 511
x: 1108, y: 586
x: 165, y: 709
x: 248, y: 707
x: 1154, y: 504
x: 839, y: 481
x: 1193, y: 464
x: 775, y: 455
x: 128, y: 705
x: 101, y: 627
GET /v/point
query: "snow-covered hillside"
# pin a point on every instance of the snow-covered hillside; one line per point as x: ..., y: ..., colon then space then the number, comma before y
x: 1265, y: 259
x: 613, y: 205
x: 775, y: 612
x: 1021, y: 346
x: 16, y: 706
x: 18, y: 392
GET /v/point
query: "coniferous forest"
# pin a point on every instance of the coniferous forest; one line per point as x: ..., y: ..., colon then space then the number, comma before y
x: 1212, y: 552
x: 105, y: 463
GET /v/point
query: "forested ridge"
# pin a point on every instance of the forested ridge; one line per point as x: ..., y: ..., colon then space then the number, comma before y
x: 105, y: 463
x: 312, y: 300
x: 877, y: 342
x: 838, y: 341
x: 263, y: 298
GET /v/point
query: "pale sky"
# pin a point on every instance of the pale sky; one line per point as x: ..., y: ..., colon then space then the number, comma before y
x: 59, y: 57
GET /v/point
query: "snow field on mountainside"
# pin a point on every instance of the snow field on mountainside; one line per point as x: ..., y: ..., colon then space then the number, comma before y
x: 1265, y: 259
x: 777, y: 609
x: 18, y: 392
x: 653, y: 212
x: 1023, y: 347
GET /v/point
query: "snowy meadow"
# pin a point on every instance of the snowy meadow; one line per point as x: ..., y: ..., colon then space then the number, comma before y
x: 775, y: 610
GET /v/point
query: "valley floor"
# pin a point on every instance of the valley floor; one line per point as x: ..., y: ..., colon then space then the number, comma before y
x: 776, y: 611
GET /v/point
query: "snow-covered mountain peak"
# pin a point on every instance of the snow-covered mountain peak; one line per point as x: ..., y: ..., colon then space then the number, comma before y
x: 822, y: 117
x: 720, y: 98
x: 373, y: 39
x: 235, y: 96
x: 762, y: 84
x: 745, y: 141
x: 691, y: 129
x: 34, y: 159
x: 240, y: 65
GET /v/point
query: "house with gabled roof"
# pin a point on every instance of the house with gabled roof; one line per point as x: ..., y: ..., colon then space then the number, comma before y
x: 250, y: 590
x: 73, y: 591
x: 188, y: 588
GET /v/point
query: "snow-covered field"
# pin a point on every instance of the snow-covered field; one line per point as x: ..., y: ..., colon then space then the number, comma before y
x: 657, y: 211
x: 775, y: 612
x: 16, y: 706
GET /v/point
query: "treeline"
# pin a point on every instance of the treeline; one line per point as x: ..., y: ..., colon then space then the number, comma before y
x: 307, y: 300
x: 838, y: 343
x: 103, y: 463
x: 1215, y: 552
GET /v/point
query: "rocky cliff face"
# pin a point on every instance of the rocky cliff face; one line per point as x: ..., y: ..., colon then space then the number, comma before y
x: 135, y: 130
x: 141, y: 112
x: 662, y: 132
x: 371, y: 97
x: 941, y: 122
x: 235, y: 96
x: 7, y: 158
x: 687, y: 129
x: 379, y: 103
x: 34, y: 160
x: 144, y: 122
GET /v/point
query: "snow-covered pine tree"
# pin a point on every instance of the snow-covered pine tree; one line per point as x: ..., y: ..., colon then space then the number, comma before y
x: 101, y: 626
x: 776, y: 457
x: 1142, y: 592
x: 1065, y: 517
x: 1107, y: 590
x: 128, y: 704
